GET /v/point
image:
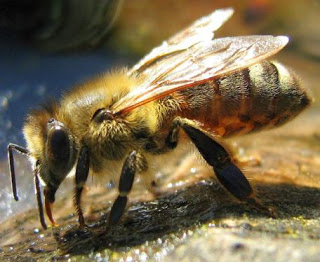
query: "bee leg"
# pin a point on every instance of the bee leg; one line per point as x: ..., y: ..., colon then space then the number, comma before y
x: 229, y: 175
x: 82, y: 171
x: 38, y: 195
x: 125, y: 184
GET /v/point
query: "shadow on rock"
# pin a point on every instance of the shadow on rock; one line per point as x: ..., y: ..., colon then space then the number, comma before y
x: 199, y: 203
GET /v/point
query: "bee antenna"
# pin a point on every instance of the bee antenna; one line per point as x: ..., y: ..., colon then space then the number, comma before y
x: 20, y: 150
x: 25, y: 151
x: 38, y: 195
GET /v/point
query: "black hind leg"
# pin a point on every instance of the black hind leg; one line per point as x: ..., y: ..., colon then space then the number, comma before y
x: 229, y: 175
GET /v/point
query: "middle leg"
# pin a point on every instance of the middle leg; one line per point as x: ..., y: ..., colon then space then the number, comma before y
x: 135, y: 162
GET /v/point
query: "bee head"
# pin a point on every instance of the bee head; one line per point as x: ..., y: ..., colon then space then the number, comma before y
x: 52, y: 145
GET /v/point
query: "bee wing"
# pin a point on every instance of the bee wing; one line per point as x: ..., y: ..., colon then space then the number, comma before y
x: 198, y: 64
x: 201, y: 30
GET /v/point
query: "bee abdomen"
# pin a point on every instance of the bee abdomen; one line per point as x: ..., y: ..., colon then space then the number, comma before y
x: 261, y: 96
x: 264, y: 95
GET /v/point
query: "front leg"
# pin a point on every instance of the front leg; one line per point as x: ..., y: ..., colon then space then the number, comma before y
x: 82, y: 171
x: 229, y: 175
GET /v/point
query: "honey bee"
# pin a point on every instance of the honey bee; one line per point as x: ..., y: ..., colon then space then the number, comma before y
x: 210, y: 88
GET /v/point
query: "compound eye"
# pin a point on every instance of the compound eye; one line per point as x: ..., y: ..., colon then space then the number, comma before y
x: 102, y: 115
x: 59, y: 144
x: 60, y: 152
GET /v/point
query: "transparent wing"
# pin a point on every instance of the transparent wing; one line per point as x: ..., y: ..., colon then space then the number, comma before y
x: 201, y: 30
x: 198, y: 64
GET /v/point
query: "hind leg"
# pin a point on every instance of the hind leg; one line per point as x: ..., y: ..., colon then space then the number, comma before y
x: 227, y: 172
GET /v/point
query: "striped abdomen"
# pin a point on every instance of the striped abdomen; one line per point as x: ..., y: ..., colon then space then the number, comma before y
x: 264, y: 95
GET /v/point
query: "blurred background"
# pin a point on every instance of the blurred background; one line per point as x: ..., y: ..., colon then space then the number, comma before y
x: 47, y: 46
